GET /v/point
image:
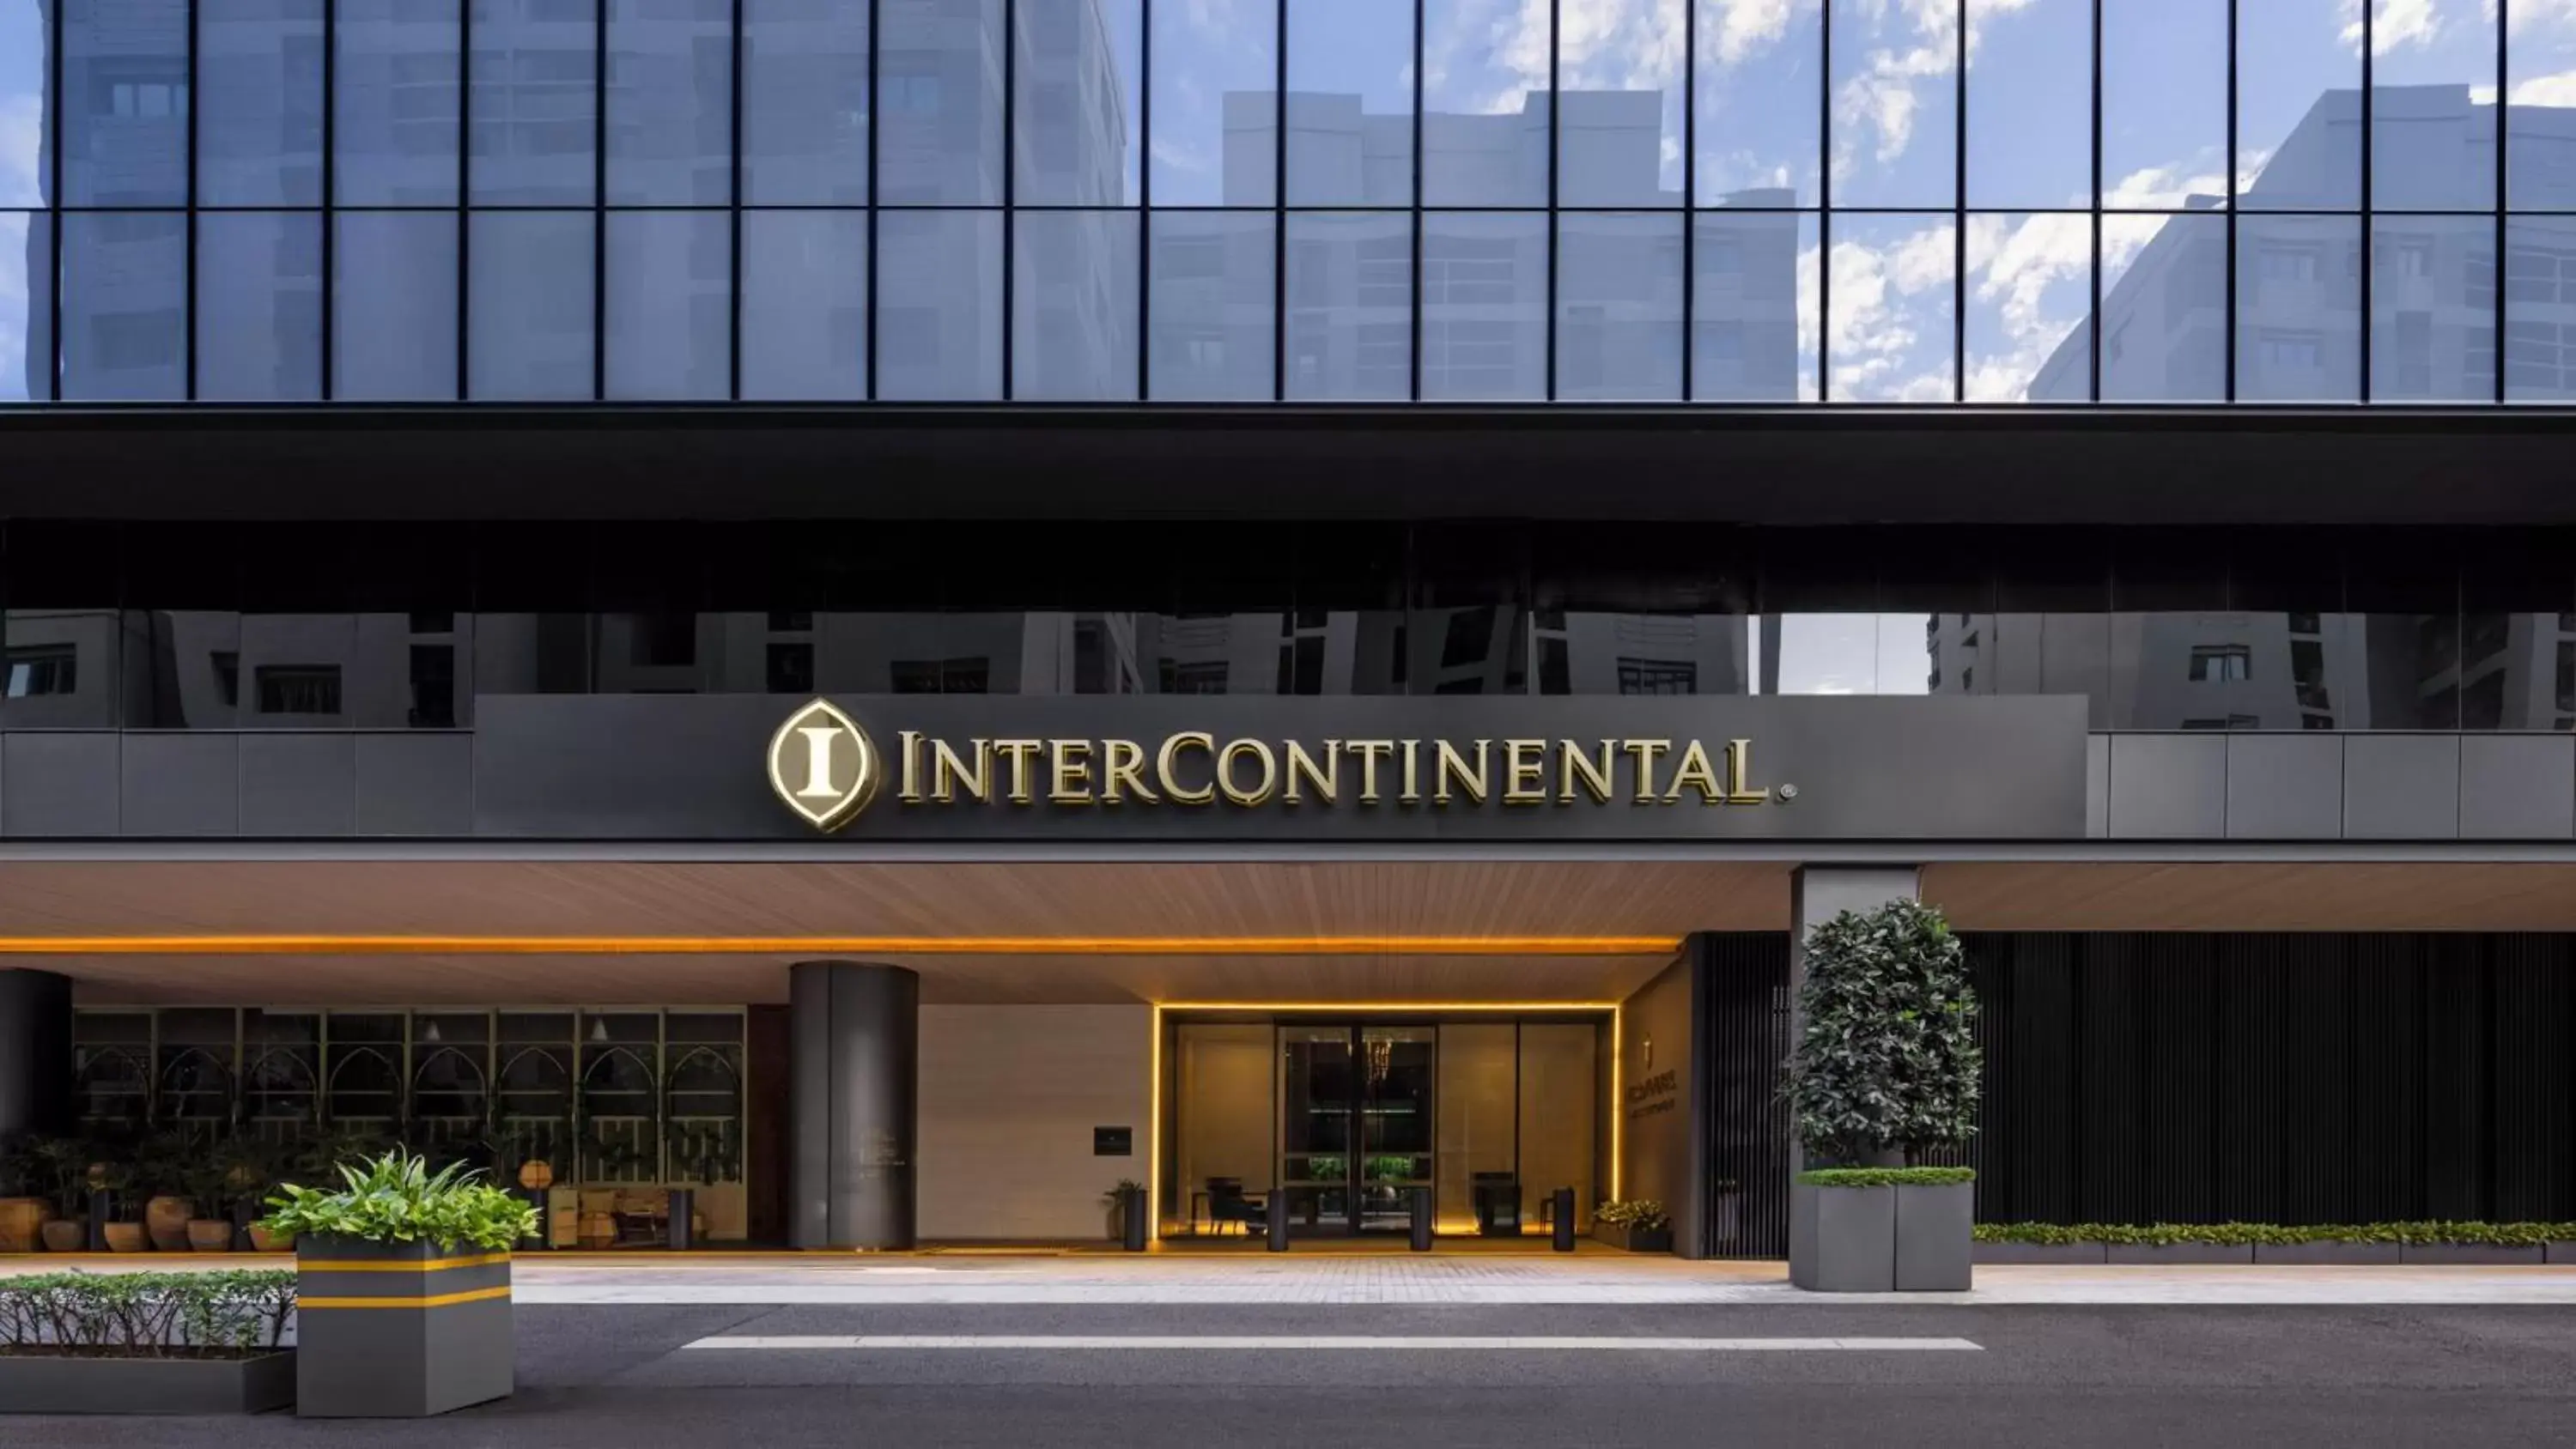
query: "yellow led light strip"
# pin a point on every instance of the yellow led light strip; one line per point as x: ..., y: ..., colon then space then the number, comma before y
x: 319, y: 945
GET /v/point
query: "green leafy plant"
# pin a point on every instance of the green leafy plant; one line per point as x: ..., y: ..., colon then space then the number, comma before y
x: 1887, y: 1176
x: 2157, y: 1235
x: 1638, y: 1214
x: 395, y: 1198
x: 145, y: 1315
x: 1118, y: 1194
x: 60, y: 1169
x: 1886, y: 1060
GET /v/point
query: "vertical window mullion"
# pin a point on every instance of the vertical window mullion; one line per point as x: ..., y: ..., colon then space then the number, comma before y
x: 1959, y: 223
x: 330, y: 185
x: 599, y: 201
x: 2094, y: 287
x: 2228, y: 330
x: 2369, y: 232
x: 1690, y: 202
x: 2503, y: 179
x: 876, y: 140
x: 1419, y: 162
x: 1553, y: 237
x: 464, y: 197
x: 188, y: 231
x: 1010, y: 187
x: 1279, y: 212
x: 733, y: 275
x: 1825, y: 203
x: 54, y: 215
x: 1144, y: 199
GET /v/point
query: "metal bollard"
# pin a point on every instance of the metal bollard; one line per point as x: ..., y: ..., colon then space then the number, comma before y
x: 1563, y: 1237
x: 683, y: 1206
x: 99, y: 1211
x: 1421, y: 1219
x: 1275, y: 1213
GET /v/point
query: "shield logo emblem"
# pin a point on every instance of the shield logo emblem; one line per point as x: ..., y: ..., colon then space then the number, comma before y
x: 823, y: 765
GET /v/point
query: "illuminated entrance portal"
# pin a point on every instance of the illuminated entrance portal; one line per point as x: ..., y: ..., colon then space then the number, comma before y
x: 1335, y: 1120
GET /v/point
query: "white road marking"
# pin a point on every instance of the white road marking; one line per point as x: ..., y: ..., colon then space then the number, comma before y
x: 1372, y: 1344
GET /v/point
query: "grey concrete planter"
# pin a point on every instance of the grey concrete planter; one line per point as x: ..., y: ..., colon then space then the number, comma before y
x: 2480, y: 1254
x: 2086, y: 1253
x: 399, y: 1330
x: 1842, y: 1239
x: 1635, y: 1239
x: 2560, y: 1253
x: 2334, y: 1254
x: 48, y: 1385
x: 1936, y: 1238
x: 2180, y: 1253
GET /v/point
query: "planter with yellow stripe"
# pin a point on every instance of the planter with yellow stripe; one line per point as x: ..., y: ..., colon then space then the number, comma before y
x: 399, y: 1330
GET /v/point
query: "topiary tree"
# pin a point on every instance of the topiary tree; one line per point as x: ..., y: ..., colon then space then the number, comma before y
x: 1886, y: 1060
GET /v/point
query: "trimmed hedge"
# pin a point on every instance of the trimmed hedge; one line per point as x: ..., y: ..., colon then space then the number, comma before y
x: 1887, y: 1176
x: 146, y: 1315
x: 2499, y: 1235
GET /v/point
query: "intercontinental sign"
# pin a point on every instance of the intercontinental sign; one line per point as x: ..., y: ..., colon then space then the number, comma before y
x: 825, y: 767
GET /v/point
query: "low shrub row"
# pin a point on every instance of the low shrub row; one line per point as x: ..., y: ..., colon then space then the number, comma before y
x: 2502, y: 1235
x: 1887, y: 1176
x: 145, y: 1315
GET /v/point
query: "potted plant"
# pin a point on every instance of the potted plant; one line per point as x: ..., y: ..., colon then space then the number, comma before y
x: 63, y: 1166
x: 162, y: 1167
x: 213, y: 1179
x: 146, y: 1343
x: 1884, y: 1071
x: 1127, y: 1220
x: 403, y: 1283
x: 22, y: 1209
x: 1638, y: 1225
x: 122, y: 1185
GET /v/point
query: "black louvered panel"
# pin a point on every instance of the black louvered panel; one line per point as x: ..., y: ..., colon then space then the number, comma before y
x: 1746, y: 1000
x: 2277, y: 1078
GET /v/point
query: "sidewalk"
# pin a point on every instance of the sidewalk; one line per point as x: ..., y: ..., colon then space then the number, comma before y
x: 897, y: 1281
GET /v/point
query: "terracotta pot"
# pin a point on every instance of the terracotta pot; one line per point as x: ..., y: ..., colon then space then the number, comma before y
x: 166, y: 1219
x: 66, y: 1235
x: 22, y: 1220
x: 209, y: 1235
x: 536, y: 1174
x: 264, y: 1241
x: 126, y: 1238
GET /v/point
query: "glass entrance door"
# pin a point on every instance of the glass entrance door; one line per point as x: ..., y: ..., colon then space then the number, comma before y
x: 1356, y: 1125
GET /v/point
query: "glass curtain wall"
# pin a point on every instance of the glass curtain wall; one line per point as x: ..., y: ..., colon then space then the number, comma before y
x: 1336, y: 1121
x: 1982, y: 201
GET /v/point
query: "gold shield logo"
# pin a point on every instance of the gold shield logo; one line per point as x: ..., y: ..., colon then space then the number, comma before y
x: 823, y: 765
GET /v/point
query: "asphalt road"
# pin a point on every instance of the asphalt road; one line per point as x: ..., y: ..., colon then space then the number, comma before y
x: 618, y: 1378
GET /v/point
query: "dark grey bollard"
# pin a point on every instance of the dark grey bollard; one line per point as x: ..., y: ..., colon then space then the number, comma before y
x: 1275, y: 1214
x: 1421, y: 1219
x: 682, y: 1233
x: 1563, y: 1240
x: 100, y: 1208
x: 1131, y: 1219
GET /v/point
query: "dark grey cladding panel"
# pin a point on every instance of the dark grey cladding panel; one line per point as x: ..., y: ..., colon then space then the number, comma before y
x: 416, y: 784
x: 299, y: 785
x: 2284, y: 787
x: 2517, y: 787
x: 2168, y: 786
x: 695, y: 767
x: 181, y: 783
x: 2401, y: 787
x: 59, y: 783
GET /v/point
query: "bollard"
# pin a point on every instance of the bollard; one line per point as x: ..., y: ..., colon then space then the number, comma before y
x: 1275, y: 1213
x: 1131, y: 1219
x: 98, y: 1215
x: 683, y: 1206
x: 1421, y: 1219
x: 1563, y: 1237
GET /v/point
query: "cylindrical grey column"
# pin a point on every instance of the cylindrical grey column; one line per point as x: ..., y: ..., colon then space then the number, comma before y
x: 853, y: 1104
x: 35, y: 1053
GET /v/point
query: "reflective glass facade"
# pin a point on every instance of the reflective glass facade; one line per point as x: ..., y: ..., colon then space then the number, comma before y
x: 1088, y: 201
x: 419, y: 627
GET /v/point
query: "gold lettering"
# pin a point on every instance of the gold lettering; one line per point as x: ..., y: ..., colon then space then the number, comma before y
x: 1370, y: 752
x: 910, y: 794
x: 1069, y: 771
x: 1326, y: 778
x: 1235, y: 750
x: 1574, y: 763
x: 1524, y: 772
x: 1647, y: 752
x: 1452, y: 764
x: 1169, y: 756
x: 947, y: 771
x: 1695, y: 772
x: 1411, y: 794
x: 1123, y: 770
x: 1739, y: 764
x: 1019, y: 753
